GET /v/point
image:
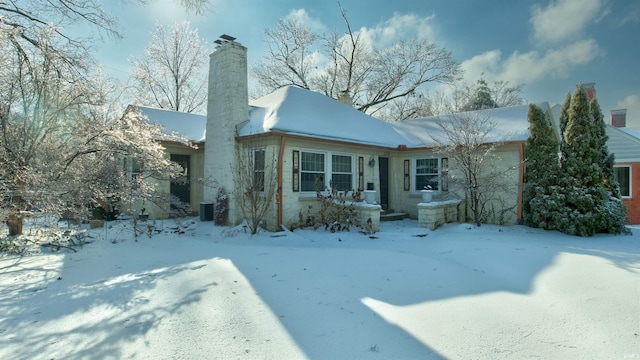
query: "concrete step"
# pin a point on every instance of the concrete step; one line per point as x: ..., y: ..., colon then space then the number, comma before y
x: 392, y: 216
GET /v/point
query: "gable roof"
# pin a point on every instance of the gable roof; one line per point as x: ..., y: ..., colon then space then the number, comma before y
x: 293, y: 110
x: 191, y: 126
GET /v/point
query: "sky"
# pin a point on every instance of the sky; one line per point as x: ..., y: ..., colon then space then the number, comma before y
x: 550, y: 46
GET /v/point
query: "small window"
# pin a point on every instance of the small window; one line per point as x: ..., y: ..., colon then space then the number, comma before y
x: 312, y: 171
x: 623, y: 175
x: 258, y: 169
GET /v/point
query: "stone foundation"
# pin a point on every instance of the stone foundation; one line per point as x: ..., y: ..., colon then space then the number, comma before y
x: 433, y: 214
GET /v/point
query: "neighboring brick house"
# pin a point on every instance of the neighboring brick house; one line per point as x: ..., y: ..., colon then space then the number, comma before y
x: 625, y: 145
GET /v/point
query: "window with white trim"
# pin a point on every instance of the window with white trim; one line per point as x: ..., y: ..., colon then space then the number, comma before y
x: 430, y: 173
x: 258, y: 162
x: 312, y: 169
x: 316, y: 167
x: 341, y: 172
x: 623, y: 175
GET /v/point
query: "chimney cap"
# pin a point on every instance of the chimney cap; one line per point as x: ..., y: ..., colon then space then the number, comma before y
x: 227, y: 37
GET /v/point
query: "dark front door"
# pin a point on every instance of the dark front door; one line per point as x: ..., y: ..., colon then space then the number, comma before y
x: 181, y: 188
x: 383, y: 164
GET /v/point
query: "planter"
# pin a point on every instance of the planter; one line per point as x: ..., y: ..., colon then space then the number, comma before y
x: 370, y: 196
x: 427, y: 195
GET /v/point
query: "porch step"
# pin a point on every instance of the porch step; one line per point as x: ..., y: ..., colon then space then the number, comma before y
x: 390, y: 215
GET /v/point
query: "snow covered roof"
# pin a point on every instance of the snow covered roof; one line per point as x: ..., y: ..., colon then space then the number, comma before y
x: 509, y: 124
x: 191, y: 126
x: 297, y: 111
x: 293, y: 110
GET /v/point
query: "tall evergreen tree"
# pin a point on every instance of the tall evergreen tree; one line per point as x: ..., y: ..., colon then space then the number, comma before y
x: 481, y: 98
x: 581, y: 181
x: 541, y: 163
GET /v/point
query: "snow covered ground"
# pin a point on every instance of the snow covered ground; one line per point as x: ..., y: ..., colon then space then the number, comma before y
x: 459, y: 292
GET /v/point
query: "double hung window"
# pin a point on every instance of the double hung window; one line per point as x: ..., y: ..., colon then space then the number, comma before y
x: 430, y: 173
x: 317, y: 167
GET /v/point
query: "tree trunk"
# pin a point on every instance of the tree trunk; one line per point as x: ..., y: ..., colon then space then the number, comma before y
x: 14, y: 222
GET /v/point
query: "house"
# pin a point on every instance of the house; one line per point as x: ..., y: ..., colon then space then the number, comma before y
x: 318, y: 143
x: 625, y: 145
x: 192, y: 127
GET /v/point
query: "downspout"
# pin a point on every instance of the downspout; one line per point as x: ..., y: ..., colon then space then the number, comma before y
x: 280, y: 178
x: 520, y: 182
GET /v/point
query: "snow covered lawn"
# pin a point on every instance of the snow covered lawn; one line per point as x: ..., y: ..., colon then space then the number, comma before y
x: 459, y: 292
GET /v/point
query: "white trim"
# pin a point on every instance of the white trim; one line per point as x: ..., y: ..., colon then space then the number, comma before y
x: 252, y: 152
x: 630, y: 180
x: 414, y: 167
x: 328, y: 160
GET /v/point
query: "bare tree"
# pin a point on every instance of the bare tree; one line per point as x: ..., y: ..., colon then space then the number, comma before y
x: 24, y: 24
x: 477, y: 169
x: 291, y: 56
x: 61, y: 144
x: 256, y: 183
x: 173, y: 72
x: 371, y: 76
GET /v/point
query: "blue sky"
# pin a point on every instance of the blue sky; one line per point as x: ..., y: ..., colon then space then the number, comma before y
x: 548, y: 45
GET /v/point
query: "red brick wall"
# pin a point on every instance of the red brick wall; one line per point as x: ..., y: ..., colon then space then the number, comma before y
x: 633, y: 203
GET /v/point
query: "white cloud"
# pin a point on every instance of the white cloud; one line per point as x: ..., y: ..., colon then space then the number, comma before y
x: 564, y: 20
x: 303, y: 17
x: 400, y: 26
x: 632, y: 104
x: 531, y: 66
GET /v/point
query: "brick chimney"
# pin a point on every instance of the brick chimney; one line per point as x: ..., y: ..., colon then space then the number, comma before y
x: 619, y: 118
x: 227, y: 107
x: 345, y: 97
x: 590, y: 88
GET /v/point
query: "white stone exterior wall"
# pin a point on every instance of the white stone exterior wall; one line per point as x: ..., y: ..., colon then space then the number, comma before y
x: 506, y: 159
x: 227, y: 107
